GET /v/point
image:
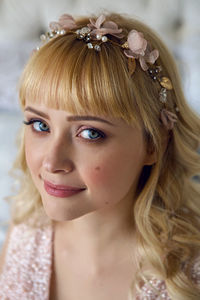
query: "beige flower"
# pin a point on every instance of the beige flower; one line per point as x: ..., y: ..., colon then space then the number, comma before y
x: 139, y: 49
x: 103, y: 28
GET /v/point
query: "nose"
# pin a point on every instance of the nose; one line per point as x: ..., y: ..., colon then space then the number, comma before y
x: 57, y: 158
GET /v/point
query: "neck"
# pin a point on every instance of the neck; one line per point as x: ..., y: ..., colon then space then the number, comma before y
x: 99, y: 233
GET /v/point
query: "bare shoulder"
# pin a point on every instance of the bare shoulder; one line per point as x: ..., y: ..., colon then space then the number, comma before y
x: 5, y: 246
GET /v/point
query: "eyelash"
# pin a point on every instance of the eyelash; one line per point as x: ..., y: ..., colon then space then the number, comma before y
x: 32, y: 121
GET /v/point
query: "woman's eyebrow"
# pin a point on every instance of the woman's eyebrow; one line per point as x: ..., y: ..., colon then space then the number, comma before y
x: 88, y: 118
x: 28, y: 108
x: 70, y: 118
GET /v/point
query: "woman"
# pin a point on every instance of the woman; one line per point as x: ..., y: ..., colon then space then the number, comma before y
x: 107, y: 205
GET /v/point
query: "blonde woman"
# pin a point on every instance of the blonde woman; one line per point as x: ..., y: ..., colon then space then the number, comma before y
x: 108, y: 206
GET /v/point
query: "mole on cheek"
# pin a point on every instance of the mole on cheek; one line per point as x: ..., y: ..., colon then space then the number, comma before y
x: 97, y: 168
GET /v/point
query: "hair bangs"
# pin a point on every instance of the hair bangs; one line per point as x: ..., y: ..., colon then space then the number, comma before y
x: 65, y: 74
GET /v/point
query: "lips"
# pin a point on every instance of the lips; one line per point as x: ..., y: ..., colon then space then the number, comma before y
x: 61, y: 191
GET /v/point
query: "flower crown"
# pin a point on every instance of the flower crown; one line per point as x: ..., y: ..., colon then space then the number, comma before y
x: 135, y: 48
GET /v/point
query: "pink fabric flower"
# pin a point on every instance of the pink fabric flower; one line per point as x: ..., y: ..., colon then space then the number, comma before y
x: 136, y: 42
x: 102, y: 28
x: 65, y: 22
x: 139, y: 49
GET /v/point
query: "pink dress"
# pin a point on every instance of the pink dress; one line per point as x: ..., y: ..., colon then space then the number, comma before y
x: 27, y: 270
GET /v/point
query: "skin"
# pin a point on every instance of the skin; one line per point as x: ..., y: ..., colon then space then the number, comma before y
x: 97, y: 220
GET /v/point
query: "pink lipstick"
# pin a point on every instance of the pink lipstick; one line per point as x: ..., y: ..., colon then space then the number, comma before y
x: 61, y: 191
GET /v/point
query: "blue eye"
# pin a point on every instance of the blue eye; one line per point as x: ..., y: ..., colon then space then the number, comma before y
x: 89, y: 134
x: 38, y: 125
x: 92, y: 134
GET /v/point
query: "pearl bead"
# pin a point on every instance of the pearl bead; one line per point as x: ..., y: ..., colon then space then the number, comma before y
x: 43, y: 37
x: 104, y: 38
x: 98, y: 36
x: 62, y: 32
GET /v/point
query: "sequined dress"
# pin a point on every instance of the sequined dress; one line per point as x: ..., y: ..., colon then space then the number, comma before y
x: 27, y: 270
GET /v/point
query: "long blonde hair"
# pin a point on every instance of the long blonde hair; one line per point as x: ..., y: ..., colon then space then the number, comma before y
x: 65, y: 74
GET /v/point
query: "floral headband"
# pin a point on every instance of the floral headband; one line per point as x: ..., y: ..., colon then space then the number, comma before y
x: 135, y: 48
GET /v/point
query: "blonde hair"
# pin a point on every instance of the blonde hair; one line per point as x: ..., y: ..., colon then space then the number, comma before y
x: 167, y: 209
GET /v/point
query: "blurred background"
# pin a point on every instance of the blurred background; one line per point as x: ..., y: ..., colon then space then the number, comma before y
x: 21, y: 24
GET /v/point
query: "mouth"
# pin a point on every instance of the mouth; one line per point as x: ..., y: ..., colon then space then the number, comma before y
x: 61, y: 191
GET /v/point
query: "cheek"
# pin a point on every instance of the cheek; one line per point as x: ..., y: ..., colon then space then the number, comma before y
x: 33, y: 154
x: 115, y: 168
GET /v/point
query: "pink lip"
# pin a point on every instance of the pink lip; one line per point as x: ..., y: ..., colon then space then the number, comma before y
x: 61, y: 191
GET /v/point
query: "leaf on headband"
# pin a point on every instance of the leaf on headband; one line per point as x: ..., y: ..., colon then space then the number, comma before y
x: 131, y: 65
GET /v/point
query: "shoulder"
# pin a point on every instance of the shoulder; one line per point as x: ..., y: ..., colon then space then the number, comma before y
x: 153, y: 289
x: 191, y: 268
x: 195, y: 271
x: 5, y: 246
x: 27, y: 259
x: 23, y: 240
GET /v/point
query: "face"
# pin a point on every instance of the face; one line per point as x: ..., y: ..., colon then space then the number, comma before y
x: 103, y: 159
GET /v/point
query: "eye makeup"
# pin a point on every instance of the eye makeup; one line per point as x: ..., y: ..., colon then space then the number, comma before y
x: 39, y: 126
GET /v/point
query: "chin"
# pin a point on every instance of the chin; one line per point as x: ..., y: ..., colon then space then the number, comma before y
x: 61, y: 214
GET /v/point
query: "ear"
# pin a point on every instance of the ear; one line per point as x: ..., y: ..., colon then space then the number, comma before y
x: 151, y: 155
